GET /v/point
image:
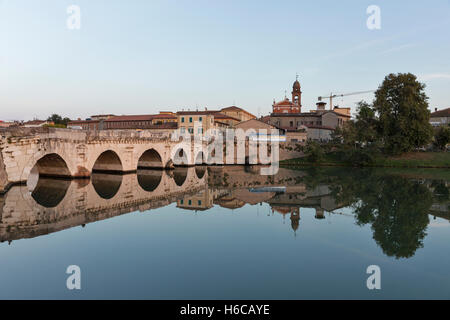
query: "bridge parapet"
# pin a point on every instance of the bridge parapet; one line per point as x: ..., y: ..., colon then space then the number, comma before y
x: 75, y: 153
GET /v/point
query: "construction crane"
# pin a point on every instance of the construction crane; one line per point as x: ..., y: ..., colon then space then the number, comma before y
x: 342, y: 95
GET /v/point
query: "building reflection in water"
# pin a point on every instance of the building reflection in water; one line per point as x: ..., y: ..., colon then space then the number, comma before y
x: 50, y: 205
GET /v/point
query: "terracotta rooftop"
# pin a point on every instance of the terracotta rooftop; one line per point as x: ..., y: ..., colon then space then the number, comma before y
x: 308, y: 114
x: 234, y: 108
x: 83, y: 121
x: 303, y: 114
x: 144, y: 117
x: 441, y: 113
x: 285, y: 102
x: 217, y: 114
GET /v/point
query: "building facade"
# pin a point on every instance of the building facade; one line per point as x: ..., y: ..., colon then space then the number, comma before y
x: 440, y: 117
x: 206, y: 120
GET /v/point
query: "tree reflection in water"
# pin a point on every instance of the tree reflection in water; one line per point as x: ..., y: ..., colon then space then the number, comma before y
x: 395, y: 207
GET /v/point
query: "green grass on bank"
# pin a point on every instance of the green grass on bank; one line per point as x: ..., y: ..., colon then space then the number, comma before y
x: 407, y: 160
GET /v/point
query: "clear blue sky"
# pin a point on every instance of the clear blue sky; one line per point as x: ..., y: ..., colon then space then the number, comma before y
x: 133, y: 57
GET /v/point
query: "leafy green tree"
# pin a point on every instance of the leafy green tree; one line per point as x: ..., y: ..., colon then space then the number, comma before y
x: 366, y: 124
x: 403, y: 115
x: 57, y: 119
x: 441, y: 137
x: 313, y: 151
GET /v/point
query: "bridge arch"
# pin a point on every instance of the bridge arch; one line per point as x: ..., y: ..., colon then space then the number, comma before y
x: 180, y: 157
x: 150, y: 159
x: 108, y: 161
x: 200, y: 158
x: 51, y: 165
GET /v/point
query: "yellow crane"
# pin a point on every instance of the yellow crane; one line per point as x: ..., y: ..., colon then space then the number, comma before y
x: 331, y: 96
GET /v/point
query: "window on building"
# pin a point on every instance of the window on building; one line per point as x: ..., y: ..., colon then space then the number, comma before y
x: 199, y: 202
x: 200, y: 119
x: 190, y: 202
x: 182, y: 119
x: 190, y: 119
x: 181, y: 201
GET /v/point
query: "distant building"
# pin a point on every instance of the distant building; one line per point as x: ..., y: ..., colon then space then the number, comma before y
x: 163, y: 121
x: 206, y: 120
x: 290, y: 107
x: 151, y: 121
x: 237, y: 113
x: 85, y: 124
x: 101, y: 116
x: 318, y: 123
x: 258, y: 126
x: 440, y: 117
x: 5, y: 124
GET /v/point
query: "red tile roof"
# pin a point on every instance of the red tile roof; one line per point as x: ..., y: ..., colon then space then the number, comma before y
x: 285, y: 102
x: 441, y: 113
x: 144, y: 117
x: 215, y: 113
x: 234, y: 108
x: 83, y: 121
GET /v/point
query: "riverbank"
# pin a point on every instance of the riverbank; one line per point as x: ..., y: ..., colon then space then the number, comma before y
x: 408, y: 160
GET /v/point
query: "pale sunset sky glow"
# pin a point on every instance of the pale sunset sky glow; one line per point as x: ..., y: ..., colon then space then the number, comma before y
x: 142, y: 57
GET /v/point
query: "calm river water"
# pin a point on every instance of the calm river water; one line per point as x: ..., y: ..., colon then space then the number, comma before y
x: 229, y: 233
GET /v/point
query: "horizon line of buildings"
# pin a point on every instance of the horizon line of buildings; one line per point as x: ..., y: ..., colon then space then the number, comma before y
x: 286, y: 116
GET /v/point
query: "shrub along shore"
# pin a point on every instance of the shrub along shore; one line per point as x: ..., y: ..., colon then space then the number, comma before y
x: 407, y: 160
x: 385, y: 133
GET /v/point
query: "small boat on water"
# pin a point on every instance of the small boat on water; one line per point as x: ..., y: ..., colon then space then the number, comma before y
x: 268, y: 189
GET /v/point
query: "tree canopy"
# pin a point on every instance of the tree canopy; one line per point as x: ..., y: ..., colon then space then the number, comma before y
x: 403, y: 116
x: 57, y: 119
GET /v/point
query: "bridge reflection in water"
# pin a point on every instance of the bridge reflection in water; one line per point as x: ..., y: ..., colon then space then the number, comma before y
x: 47, y: 205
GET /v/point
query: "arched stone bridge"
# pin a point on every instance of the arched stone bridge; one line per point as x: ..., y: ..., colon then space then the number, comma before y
x: 76, y: 153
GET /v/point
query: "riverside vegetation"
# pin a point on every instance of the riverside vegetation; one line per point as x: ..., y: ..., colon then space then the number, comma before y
x: 392, y: 131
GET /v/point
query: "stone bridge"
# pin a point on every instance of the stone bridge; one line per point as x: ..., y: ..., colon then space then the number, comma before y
x: 76, y: 154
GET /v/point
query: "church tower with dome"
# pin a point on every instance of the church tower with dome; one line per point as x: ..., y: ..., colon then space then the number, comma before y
x: 289, y: 107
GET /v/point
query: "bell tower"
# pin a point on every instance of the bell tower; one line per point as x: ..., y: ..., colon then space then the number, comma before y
x: 297, y: 95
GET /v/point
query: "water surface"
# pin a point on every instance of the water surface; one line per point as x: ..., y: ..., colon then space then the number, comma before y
x: 229, y: 233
